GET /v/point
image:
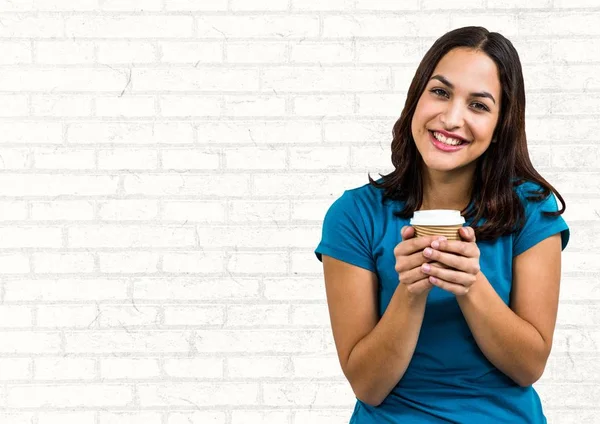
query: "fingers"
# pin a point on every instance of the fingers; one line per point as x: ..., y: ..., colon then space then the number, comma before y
x: 456, y: 289
x: 419, y: 287
x: 467, y: 234
x: 412, y: 245
x: 455, y: 254
x: 450, y: 275
x: 407, y: 232
x: 412, y: 275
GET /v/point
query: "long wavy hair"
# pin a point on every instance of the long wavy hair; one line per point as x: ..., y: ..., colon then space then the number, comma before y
x: 502, y: 167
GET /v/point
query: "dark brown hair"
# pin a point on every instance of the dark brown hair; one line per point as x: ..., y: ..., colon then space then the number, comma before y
x: 503, y: 166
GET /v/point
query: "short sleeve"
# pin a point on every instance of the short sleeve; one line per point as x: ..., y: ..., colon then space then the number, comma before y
x: 539, y: 226
x: 344, y: 236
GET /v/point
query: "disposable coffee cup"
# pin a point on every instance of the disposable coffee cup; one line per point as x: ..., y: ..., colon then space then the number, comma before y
x: 437, y: 222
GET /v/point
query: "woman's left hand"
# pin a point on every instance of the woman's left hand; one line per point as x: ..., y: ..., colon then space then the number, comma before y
x: 462, y: 256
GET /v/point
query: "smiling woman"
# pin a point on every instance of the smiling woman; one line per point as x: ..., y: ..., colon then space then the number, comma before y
x: 465, y: 341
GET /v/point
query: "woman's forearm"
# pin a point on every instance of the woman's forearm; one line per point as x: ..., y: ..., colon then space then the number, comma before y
x: 379, y: 360
x: 509, y: 342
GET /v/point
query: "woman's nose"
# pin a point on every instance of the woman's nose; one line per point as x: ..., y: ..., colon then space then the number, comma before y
x: 453, y: 116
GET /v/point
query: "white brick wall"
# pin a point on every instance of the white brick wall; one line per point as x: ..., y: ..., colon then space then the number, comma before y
x: 165, y: 166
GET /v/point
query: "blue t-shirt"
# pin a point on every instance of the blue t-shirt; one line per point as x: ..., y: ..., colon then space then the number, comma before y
x: 448, y: 379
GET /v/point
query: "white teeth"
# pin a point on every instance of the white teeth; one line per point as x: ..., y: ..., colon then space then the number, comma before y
x: 446, y: 140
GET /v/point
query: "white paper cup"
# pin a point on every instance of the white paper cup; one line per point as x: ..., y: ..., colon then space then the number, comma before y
x: 437, y: 222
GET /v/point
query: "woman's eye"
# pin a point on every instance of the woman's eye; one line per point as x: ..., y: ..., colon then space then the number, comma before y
x: 439, y: 92
x: 481, y: 106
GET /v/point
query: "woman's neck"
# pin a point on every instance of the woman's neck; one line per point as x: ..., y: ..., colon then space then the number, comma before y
x: 447, y: 190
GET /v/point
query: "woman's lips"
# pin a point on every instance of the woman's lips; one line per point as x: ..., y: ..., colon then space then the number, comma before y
x: 444, y: 147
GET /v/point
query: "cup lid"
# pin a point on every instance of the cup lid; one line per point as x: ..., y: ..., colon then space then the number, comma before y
x: 437, y: 217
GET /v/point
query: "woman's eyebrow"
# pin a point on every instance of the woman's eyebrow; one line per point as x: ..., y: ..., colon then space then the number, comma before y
x: 449, y: 84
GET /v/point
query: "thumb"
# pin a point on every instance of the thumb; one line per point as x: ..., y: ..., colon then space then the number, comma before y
x: 407, y: 232
x: 468, y: 234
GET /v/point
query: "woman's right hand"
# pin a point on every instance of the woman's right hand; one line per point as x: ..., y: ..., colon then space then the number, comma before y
x: 409, y: 258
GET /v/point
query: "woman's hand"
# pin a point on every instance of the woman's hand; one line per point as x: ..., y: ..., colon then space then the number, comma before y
x: 461, y: 256
x: 409, y: 261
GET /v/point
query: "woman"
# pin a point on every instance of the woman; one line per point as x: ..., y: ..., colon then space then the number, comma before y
x: 463, y: 344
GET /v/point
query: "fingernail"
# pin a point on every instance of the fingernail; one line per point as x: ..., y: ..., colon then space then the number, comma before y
x: 428, y: 251
x: 441, y: 238
x: 426, y: 267
x: 435, y: 244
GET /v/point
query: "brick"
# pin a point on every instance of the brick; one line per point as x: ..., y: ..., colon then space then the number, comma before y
x: 69, y: 262
x: 310, y: 315
x: 130, y: 133
x: 194, y: 262
x: 325, y: 79
x: 31, y: 26
x: 128, y: 262
x: 259, y: 367
x: 122, y: 158
x: 260, y: 341
x: 70, y: 417
x: 187, y: 185
x: 322, y: 52
x: 308, y: 394
x: 194, y: 367
x: 326, y: 158
x: 197, y: 394
x: 109, y: 235
x: 65, y: 369
x: 409, y: 51
x: 190, y: 288
x: 15, y: 159
x: 30, y: 342
x: 128, y: 26
x: 19, y: 237
x: 317, y: 367
x: 174, y: 105
x: 367, y: 158
x: 264, y: 417
x: 62, y: 210
x: 371, y: 131
x: 309, y: 185
x: 128, y: 315
x: 256, y: 52
x: 470, y: 5
x: 201, y: 315
x: 125, y: 106
x: 129, y: 368
x: 195, y: 79
x: 14, y: 263
x: 16, y: 52
x: 387, y: 5
x: 257, y: 315
x: 64, y: 52
x: 507, y: 24
x: 15, y: 369
x: 380, y: 105
x: 137, y: 417
x: 198, y: 211
x: 263, y: 262
x: 194, y: 5
x: 31, y: 132
x: 127, y: 210
x: 61, y: 289
x: 288, y: 27
x: 255, y: 158
x: 53, y: 79
x: 258, y: 5
x: 246, y: 211
x: 47, y: 6
x: 126, y: 51
x: 130, y: 341
x: 69, y: 396
x: 63, y: 158
x: 258, y: 132
x: 61, y: 105
x: 303, y: 5
x: 327, y: 105
x: 557, y: 24
x: 191, y: 52
x: 294, y: 289
x: 569, y: 395
x: 186, y: 158
x: 132, y: 5
x: 254, y: 105
x: 14, y: 105
x: 60, y: 316
x: 401, y: 25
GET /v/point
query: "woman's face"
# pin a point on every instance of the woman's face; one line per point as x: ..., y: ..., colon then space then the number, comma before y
x: 462, y: 99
